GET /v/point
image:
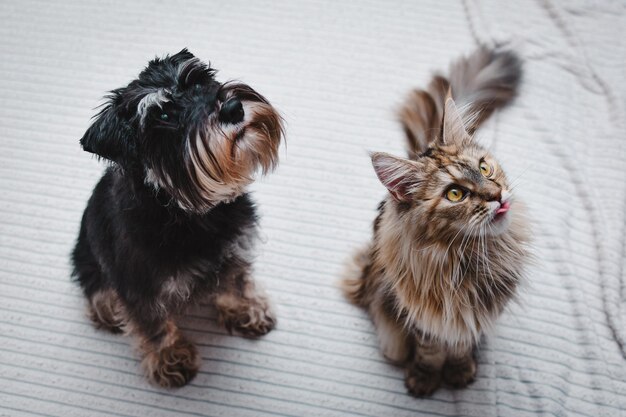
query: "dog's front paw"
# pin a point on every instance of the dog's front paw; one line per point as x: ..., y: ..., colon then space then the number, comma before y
x: 256, y: 320
x: 249, y: 317
x: 106, y: 311
x: 422, y: 381
x: 459, y: 373
x: 172, y: 366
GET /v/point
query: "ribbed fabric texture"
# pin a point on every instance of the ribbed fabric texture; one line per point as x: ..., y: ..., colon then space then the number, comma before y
x: 336, y: 70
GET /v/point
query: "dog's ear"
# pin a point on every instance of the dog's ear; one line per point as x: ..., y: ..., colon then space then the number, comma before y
x: 182, y: 56
x: 110, y: 136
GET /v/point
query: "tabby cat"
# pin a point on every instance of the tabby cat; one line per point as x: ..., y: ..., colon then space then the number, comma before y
x: 450, y: 241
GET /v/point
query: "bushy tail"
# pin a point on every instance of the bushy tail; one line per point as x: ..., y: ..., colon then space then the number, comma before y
x: 480, y: 83
x: 353, y: 282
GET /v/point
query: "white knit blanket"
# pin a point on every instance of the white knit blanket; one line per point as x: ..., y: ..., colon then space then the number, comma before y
x: 336, y: 70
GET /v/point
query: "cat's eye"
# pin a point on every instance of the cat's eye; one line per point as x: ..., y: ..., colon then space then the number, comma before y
x: 485, y: 168
x: 164, y: 116
x: 455, y: 194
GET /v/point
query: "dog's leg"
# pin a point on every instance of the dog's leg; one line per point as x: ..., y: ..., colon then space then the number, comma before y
x: 243, y: 307
x: 169, y: 359
x: 104, y: 307
x: 106, y: 311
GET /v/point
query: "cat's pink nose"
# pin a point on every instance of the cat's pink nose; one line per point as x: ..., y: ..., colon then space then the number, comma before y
x: 504, y: 207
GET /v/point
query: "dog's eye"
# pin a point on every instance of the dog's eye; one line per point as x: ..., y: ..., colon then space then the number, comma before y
x: 164, y: 116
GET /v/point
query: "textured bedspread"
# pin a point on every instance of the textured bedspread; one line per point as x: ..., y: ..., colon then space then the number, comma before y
x: 336, y: 70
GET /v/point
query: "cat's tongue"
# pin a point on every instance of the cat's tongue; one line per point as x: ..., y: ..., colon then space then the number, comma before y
x: 504, y: 208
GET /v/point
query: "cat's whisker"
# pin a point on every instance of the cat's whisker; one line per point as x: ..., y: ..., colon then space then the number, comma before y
x: 455, y: 236
x: 515, y: 182
x: 486, y: 256
x: 424, y: 248
x: 464, y: 242
x: 469, y: 231
x: 521, y: 174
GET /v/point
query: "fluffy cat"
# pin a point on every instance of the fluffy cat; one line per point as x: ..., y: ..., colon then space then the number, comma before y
x: 449, y: 243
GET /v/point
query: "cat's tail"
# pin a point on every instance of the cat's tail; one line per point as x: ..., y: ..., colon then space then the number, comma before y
x: 480, y: 83
x: 353, y: 282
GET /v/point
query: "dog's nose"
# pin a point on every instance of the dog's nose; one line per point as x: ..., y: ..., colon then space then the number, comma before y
x: 232, y: 111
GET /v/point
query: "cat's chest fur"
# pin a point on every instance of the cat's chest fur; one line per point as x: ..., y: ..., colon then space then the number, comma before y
x: 452, y: 294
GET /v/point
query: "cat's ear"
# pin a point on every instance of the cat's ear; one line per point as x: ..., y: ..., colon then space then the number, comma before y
x: 399, y: 175
x: 453, y: 128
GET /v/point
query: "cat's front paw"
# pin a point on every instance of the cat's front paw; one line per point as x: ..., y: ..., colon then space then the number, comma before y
x: 459, y: 373
x: 422, y: 381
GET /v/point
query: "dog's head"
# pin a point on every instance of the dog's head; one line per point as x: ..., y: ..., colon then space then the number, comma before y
x: 198, y: 140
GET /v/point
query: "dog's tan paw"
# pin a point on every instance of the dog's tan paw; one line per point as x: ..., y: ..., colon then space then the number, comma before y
x: 106, y: 311
x: 258, y: 320
x: 172, y: 366
x: 254, y: 321
x: 249, y: 317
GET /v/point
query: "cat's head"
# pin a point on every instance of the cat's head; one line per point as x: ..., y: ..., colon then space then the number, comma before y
x: 455, y: 188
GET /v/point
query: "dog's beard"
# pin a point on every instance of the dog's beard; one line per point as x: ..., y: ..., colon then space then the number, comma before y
x: 220, y: 159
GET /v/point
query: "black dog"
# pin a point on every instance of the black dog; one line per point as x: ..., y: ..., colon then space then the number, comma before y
x: 170, y: 221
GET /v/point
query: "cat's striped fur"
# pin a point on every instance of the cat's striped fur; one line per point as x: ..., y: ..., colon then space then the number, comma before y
x: 438, y: 273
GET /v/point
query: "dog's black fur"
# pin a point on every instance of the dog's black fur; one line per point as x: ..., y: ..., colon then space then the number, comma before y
x: 132, y: 243
x: 170, y: 221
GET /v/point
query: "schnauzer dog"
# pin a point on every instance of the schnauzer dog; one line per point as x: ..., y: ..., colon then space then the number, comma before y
x: 170, y: 221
